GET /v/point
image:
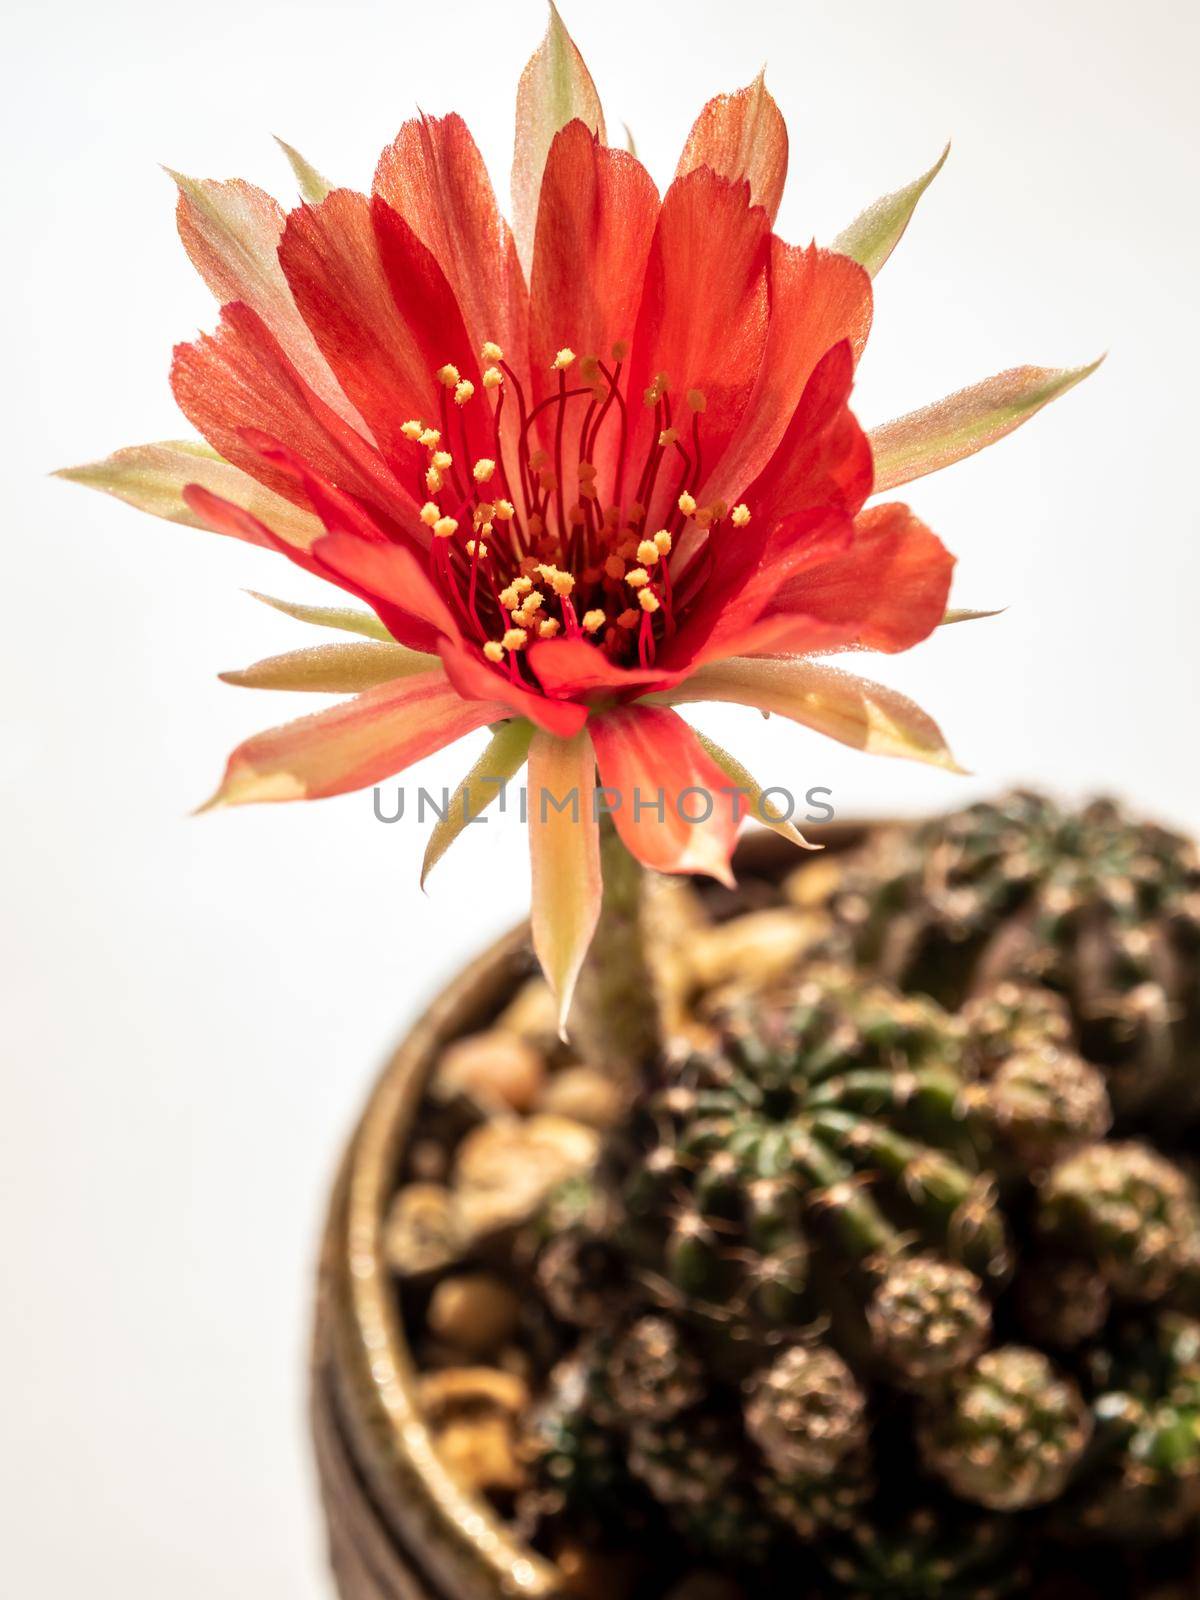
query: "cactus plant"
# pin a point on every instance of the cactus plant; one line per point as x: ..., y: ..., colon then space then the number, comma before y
x: 1095, y: 905
x: 866, y: 1289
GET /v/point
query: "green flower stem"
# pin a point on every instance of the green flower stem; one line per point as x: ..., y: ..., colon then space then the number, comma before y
x: 614, y: 1021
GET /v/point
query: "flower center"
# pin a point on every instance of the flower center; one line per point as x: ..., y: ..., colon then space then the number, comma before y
x: 528, y: 543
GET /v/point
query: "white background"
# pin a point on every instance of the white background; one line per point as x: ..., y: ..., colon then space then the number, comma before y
x: 195, y: 1007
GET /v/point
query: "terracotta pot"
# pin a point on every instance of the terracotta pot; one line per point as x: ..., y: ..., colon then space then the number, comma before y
x: 399, y: 1527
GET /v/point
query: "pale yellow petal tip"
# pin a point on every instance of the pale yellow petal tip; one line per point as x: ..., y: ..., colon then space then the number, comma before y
x: 1078, y: 374
x: 243, y: 786
x: 968, y: 614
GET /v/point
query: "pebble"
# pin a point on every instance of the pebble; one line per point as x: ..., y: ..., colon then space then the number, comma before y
x: 584, y: 1095
x: 811, y: 884
x: 480, y: 1454
x: 463, y: 1391
x: 423, y: 1231
x: 754, y: 949
x: 472, y: 1413
x: 496, y: 1068
x: 504, y: 1170
x: 475, y: 1312
x: 532, y: 1015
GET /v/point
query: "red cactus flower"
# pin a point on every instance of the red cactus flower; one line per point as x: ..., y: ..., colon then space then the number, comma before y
x: 581, y: 474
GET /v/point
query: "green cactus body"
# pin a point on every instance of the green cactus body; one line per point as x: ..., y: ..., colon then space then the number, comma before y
x: 931, y: 1554
x: 1093, y: 904
x: 1008, y: 1433
x: 864, y: 1287
x: 1128, y: 1209
x: 581, y: 1464
x: 1146, y: 1485
x: 833, y: 1134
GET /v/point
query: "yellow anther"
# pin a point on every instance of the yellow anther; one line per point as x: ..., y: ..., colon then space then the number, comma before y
x: 433, y: 480
x: 463, y: 392
x: 628, y: 619
x: 561, y: 582
x: 448, y: 375
x: 514, y: 639
x: 687, y: 503
x: 548, y: 628
x: 442, y: 460
x: 412, y: 430
x: 620, y: 350
x: 430, y: 437
x: 589, y: 369
x: 532, y: 602
x: 430, y: 513
x: 695, y: 399
x: 668, y: 437
x: 662, y: 541
x: 511, y: 597
x: 476, y: 547
x: 563, y: 359
x: 504, y: 511
x: 704, y: 517
x: 647, y: 552
x: 494, y: 650
x: 483, y: 469
x: 445, y: 527
x: 491, y: 352
x: 593, y: 621
x: 638, y: 578
x: 482, y: 512
x: 492, y: 377
x: 614, y: 568
x: 740, y: 516
x: 648, y: 601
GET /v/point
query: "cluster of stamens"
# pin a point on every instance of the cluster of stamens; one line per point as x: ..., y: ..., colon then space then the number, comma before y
x: 516, y: 562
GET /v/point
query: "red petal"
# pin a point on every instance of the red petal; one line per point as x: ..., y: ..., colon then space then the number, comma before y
x: 389, y: 577
x: 477, y: 680
x: 817, y: 300
x: 748, y: 568
x: 824, y: 458
x: 574, y: 667
x: 239, y: 378
x: 594, y: 226
x: 703, y: 319
x: 742, y: 136
x: 231, y: 232
x: 353, y: 744
x: 644, y: 752
x: 381, y: 310
x: 886, y: 591
x: 434, y: 177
